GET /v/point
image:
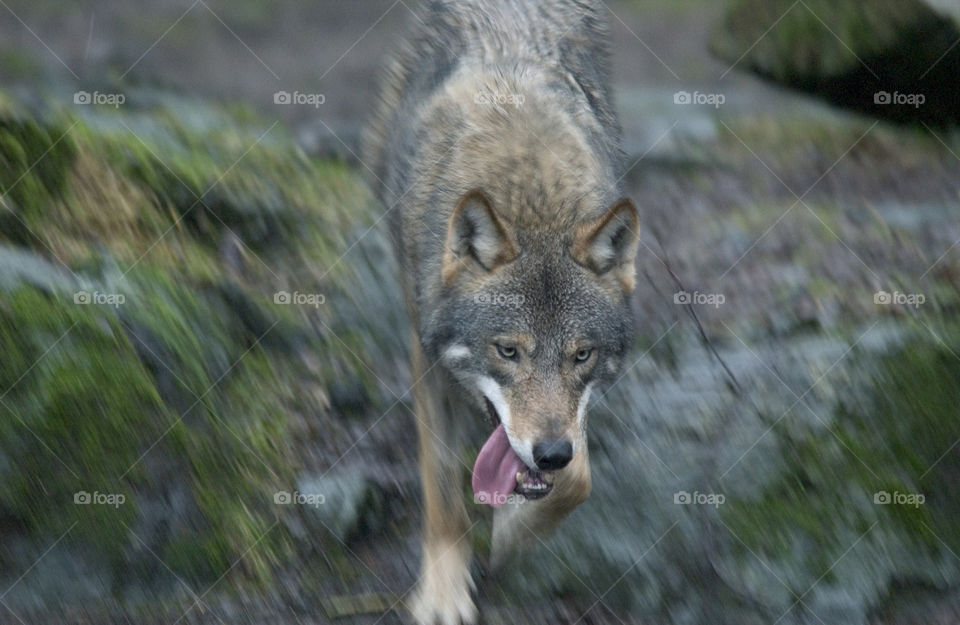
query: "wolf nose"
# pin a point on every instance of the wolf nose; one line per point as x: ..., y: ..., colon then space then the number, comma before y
x: 552, y: 454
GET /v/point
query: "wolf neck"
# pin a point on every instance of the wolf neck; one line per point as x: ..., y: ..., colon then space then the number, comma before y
x: 530, y: 139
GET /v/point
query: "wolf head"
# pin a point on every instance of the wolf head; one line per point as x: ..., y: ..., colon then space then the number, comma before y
x: 531, y: 322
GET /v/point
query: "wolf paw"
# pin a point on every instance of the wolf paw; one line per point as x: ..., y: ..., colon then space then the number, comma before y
x: 443, y: 595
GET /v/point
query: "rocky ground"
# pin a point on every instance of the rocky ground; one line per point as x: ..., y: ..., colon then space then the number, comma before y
x: 199, y: 314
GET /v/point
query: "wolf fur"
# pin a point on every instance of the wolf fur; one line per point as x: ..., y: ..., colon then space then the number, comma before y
x: 495, y: 149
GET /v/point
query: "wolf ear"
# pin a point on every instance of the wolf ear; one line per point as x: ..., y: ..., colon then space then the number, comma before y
x: 476, y: 234
x: 610, y: 243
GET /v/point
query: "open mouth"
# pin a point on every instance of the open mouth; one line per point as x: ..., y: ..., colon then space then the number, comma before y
x: 499, y: 471
x: 534, y: 484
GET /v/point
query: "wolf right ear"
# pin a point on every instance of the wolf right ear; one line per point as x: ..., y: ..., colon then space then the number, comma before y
x: 475, y: 234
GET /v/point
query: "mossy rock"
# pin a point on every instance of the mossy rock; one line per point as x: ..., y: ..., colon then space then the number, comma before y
x: 855, y: 53
x: 178, y: 396
x: 34, y: 161
x: 175, y: 178
x: 215, y: 177
x: 89, y: 415
x: 79, y: 409
x: 859, y: 481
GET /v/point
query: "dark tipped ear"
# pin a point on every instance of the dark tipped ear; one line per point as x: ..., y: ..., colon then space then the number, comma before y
x: 475, y: 234
x: 610, y: 243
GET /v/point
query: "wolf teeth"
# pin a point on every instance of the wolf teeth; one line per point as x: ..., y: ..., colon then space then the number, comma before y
x: 520, y: 477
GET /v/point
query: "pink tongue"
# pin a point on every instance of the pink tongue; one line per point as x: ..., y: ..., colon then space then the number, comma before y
x: 495, y: 472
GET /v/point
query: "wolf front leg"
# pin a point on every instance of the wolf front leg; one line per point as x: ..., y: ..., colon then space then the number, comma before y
x: 442, y: 596
x: 517, y: 526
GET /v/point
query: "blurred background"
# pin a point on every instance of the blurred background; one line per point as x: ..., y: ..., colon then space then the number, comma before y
x: 205, y: 413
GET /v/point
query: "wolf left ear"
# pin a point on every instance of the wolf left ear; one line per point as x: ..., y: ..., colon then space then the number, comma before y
x: 610, y: 243
x: 476, y: 233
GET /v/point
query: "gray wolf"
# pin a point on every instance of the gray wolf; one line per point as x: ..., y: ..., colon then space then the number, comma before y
x: 495, y: 149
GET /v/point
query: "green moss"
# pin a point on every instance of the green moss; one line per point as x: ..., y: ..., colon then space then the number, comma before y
x: 818, y: 36
x: 230, y: 390
x: 892, y: 440
x: 195, y: 335
x: 34, y: 161
x: 847, y: 52
x: 186, y: 385
x: 89, y: 409
x: 82, y: 410
x: 170, y: 184
x: 214, y: 175
x: 238, y: 471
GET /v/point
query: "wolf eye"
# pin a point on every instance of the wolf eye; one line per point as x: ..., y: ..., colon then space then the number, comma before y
x: 583, y: 355
x: 508, y: 352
